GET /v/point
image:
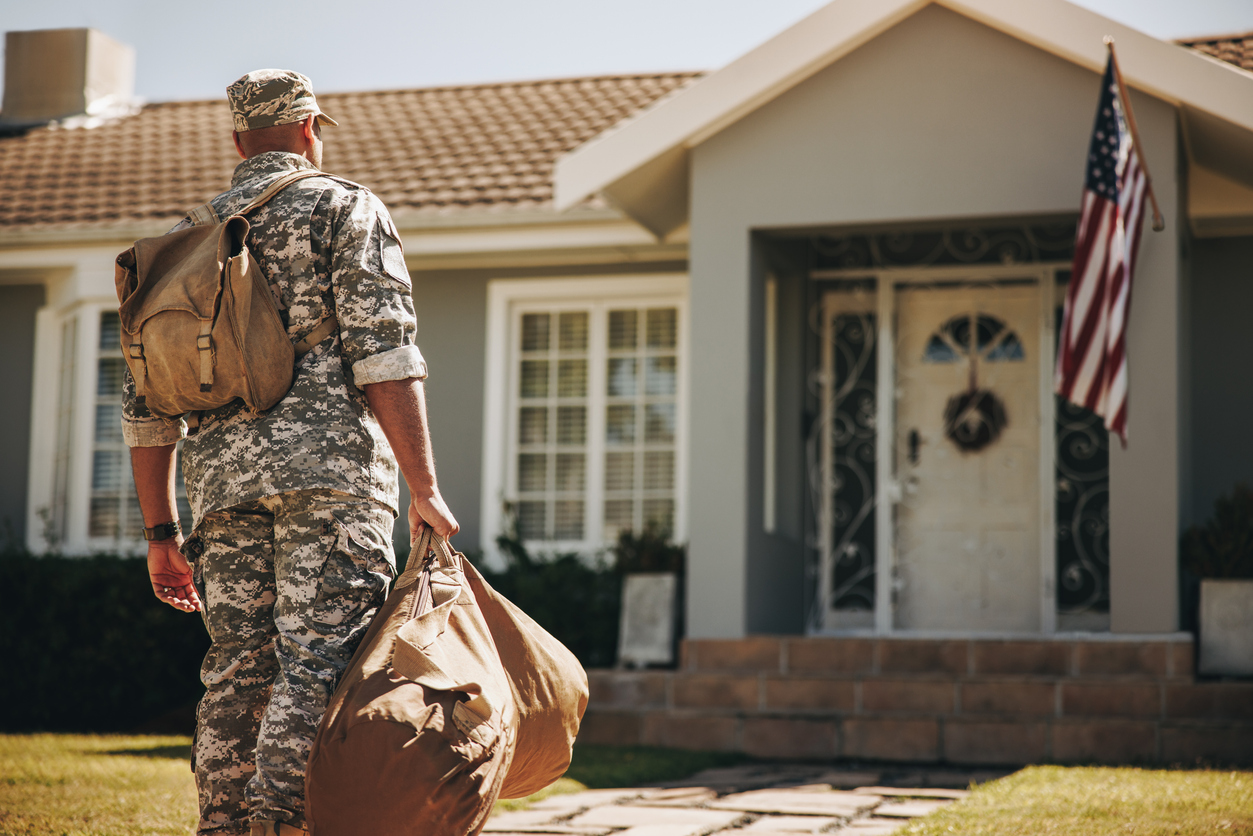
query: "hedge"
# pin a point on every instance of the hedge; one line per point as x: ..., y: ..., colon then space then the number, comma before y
x: 86, y: 647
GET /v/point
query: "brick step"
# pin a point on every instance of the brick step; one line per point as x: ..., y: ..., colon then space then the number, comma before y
x: 1062, y: 656
x: 957, y: 740
x: 923, y: 694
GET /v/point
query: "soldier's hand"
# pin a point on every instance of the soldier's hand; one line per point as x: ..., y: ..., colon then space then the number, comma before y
x: 171, y: 575
x: 432, y: 510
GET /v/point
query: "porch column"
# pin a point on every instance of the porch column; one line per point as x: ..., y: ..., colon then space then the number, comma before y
x: 717, y: 523
x: 1146, y: 478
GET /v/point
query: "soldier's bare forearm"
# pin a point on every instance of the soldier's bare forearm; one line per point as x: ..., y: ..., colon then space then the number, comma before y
x: 400, y: 406
x: 154, y: 483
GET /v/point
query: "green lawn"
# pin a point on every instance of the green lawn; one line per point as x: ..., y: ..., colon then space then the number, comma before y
x: 83, y: 785
x: 1100, y: 801
x: 87, y: 785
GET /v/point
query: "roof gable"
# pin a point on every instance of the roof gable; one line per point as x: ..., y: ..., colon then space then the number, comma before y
x: 641, y: 164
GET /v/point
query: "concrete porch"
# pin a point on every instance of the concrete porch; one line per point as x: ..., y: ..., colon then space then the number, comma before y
x: 1068, y: 699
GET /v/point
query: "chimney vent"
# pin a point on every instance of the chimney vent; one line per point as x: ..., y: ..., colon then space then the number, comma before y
x: 52, y: 74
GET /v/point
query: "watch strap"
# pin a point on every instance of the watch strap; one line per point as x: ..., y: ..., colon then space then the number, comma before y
x: 164, y: 531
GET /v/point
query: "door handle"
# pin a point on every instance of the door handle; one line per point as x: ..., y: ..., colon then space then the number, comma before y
x: 915, y: 440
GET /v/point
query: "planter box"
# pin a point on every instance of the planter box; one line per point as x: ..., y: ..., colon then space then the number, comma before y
x: 1226, y: 627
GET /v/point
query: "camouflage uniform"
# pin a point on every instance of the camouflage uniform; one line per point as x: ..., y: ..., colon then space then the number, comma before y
x: 292, y: 509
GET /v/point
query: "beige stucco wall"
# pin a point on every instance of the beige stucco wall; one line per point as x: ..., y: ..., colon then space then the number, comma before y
x: 940, y: 118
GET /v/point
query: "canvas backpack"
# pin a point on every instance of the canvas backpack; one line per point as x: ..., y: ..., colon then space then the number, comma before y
x: 199, y: 324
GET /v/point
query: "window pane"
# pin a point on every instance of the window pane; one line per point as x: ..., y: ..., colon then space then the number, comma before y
x: 568, y: 519
x: 571, y: 424
x: 659, y: 423
x: 104, y: 522
x: 658, y: 470
x: 623, y: 328
x: 570, y: 471
x: 663, y: 328
x: 109, y: 372
x: 622, y: 371
x: 620, y: 424
x: 659, y: 376
x: 659, y: 514
x: 618, y: 513
x: 532, y: 471
x: 534, y: 378
x: 110, y: 331
x: 109, y: 422
x: 531, y: 520
x: 619, y: 471
x: 535, y: 332
x: 533, y: 425
x: 572, y: 378
x: 572, y: 331
x: 107, y: 472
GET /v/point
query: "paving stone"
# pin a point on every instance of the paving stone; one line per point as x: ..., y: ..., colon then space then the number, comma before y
x: 789, y: 824
x: 551, y: 829
x: 914, y: 792
x: 910, y: 809
x: 663, y: 830
x: 588, y: 798
x: 835, y: 803
x: 510, y: 820
x: 679, y: 797
x: 843, y: 779
x: 871, y: 827
x: 634, y: 816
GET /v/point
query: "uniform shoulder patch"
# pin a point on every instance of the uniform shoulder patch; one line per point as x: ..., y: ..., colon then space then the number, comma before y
x: 393, y: 255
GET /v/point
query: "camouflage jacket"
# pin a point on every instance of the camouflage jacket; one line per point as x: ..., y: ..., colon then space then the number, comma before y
x: 326, y: 248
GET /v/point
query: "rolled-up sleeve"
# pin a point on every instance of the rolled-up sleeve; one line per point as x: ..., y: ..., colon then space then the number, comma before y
x: 140, y: 428
x: 373, y: 295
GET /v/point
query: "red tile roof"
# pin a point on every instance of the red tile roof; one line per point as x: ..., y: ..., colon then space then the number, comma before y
x: 484, y: 147
x: 1234, y: 49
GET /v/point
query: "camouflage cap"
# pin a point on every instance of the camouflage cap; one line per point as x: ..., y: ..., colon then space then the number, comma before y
x: 264, y: 98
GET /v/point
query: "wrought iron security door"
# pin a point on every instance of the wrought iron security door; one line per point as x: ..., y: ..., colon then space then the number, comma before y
x: 855, y: 443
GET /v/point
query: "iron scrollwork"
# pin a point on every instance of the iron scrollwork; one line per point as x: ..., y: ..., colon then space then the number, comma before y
x: 1082, y: 511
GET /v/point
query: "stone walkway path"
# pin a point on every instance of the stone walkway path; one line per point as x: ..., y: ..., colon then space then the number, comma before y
x: 755, y: 800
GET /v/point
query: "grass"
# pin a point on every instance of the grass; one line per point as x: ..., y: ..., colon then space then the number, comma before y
x: 89, y: 785
x: 1100, y: 801
x: 84, y: 785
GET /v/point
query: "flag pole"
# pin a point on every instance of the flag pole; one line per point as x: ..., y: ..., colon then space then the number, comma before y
x: 1159, y: 223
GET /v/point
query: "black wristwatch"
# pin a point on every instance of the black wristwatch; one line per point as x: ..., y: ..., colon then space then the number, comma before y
x: 164, y: 531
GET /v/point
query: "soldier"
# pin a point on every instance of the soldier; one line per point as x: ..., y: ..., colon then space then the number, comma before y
x: 290, y: 556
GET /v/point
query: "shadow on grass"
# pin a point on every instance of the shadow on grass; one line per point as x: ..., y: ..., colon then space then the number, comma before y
x: 171, y: 752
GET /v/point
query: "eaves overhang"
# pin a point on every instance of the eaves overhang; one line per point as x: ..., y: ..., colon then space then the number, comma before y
x: 642, y: 164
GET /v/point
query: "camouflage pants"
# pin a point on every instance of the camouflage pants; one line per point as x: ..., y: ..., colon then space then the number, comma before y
x: 289, y: 585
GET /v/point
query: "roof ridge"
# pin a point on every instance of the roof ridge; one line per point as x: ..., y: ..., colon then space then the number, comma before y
x: 1209, y: 39
x: 483, y: 85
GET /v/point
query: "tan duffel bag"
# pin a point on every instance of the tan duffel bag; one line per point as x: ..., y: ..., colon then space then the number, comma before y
x: 199, y: 323
x: 455, y: 698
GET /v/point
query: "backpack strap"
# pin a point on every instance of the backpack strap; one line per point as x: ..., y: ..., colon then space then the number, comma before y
x: 280, y: 184
x: 325, y: 328
x: 203, y: 215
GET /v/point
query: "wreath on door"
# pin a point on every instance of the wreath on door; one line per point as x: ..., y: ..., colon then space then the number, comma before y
x: 975, y: 418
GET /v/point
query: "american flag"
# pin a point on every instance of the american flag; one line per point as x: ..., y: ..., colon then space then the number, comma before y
x: 1092, y: 356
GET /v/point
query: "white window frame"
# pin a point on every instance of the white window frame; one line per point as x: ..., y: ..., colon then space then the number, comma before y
x: 504, y: 298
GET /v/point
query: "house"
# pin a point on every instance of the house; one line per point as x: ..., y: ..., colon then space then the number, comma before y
x: 737, y: 306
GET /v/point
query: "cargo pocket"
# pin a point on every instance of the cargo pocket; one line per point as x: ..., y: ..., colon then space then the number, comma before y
x: 355, y: 575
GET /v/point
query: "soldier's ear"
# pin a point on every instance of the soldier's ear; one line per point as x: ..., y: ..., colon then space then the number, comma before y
x: 238, y: 146
x: 310, y: 130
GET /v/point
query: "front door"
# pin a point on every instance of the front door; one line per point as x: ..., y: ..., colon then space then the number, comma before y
x: 967, y: 456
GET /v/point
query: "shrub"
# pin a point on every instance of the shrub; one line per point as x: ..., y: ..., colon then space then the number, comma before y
x: 1223, y: 547
x: 86, y: 647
